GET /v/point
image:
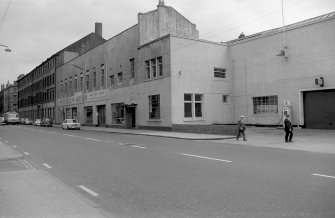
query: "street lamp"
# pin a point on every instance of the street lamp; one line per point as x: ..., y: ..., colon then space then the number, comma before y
x: 7, y: 49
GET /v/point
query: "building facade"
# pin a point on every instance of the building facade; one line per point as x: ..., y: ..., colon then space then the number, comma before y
x: 10, y: 98
x: 287, y: 71
x: 37, y: 89
x: 158, y: 74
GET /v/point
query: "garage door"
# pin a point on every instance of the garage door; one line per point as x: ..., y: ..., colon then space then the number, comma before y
x: 319, y: 109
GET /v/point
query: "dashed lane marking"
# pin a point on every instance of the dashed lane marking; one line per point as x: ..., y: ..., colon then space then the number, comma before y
x: 94, y: 194
x: 121, y: 143
x: 47, y: 165
x: 321, y: 175
x: 26, y: 153
x: 52, y: 132
x: 208, y: 158
x: 5, y: 141
x: 98, y: 140
x: 67, y: 135
x: 137, y: 146
x: 14, y: 146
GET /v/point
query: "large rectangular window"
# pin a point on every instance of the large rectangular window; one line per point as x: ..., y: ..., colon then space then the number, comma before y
x: 265, y: 104
x: 87, y: 82
x: 154, y: 107
x: 193, y: 106
x: 119, y: 78
x: 94, y: 79
x: 154, y: 68
x: 118, y: 111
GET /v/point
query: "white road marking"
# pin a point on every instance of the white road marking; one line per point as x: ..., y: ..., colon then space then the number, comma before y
x: 120, y: 143
x: 26, y: 153
x: 209, y: 158
x: 93, y: 139
x: 47, y: 166
x: 27, y: 164
x: 67, y: 135
x: 94, y: 194
x: 315, y: 174
x: 136, y: 146
x: 14, y: 146
x: 5, y: 141
x: 51, y: 132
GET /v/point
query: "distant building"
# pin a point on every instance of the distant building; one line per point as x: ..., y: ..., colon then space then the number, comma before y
x: 10, y: 98
x: 2, y: 99
x: 37, y: 90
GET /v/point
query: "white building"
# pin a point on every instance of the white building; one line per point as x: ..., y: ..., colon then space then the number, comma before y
x: 158, y: 74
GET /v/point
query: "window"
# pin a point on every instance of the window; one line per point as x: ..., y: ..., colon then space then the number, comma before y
x: 225, y: 98
x: 102, y: 82
x: 65, y: 87
x: 265, y: 104
x: 112, y: 80
x: 219, y: 72
x: 132, y: 67
x: 118, y: 111
x: 94, y: 79
x: 160, y: 66
x: 154, y: 68
x: 75, y: 83
x: 193, y: 106
x: 154, y: 107
x: 70, y: 85
x: 87, y: 82
x: 119, y: 78
x: 81, y: 82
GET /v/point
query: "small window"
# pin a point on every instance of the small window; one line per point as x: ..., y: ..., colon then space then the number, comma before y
x: 112, y: 80
x: 132, y: 67
x: 225, y: 98
x: 219, y: 72
x: 119, y: 78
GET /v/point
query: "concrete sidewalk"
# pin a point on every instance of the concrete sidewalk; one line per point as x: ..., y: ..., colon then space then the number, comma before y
x: 311, y: 140
x: 37, y: 194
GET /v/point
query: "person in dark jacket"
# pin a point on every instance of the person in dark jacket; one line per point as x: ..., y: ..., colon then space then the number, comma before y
x: 241, y: 129
x: 288, y: 129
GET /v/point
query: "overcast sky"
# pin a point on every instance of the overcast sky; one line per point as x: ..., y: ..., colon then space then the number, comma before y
x: 37, y: 29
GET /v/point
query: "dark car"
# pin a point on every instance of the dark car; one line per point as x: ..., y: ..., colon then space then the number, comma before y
x: 46, y: 122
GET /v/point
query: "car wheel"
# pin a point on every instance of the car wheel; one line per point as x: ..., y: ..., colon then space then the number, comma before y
x: 68, y: 128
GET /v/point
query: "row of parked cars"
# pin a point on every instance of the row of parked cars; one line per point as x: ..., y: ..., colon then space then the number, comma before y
x: 37, y: 122
x: 66, y: 124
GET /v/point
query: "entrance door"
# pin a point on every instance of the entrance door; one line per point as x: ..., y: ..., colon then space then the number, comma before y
x: 319, y: 109
x: 101, y: 115
x: 131, y: 116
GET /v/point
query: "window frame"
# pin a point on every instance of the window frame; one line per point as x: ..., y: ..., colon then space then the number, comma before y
x: 265, y: 105
x: 154, y: 68
x: 154, y: 114
x: 193, y: 101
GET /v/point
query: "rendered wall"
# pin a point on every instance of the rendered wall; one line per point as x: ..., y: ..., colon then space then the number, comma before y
x: 192, y: 71
x: 259, y: 72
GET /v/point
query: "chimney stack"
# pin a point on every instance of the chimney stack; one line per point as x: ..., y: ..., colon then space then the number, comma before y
x: 98, y: 29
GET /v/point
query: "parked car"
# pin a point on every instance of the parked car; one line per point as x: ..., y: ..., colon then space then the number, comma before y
x: 37, y: 122
x: 28, y: 121
x: 46, y: 122
x: 23, y: 120
x: 11, y: 118
x: 71, y: 124
x: 2, y: 120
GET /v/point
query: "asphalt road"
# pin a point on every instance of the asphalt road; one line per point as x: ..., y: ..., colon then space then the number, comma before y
x: 142, y: 176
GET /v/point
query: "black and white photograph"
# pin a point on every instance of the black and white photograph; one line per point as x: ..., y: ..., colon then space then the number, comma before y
x: 167, y: 109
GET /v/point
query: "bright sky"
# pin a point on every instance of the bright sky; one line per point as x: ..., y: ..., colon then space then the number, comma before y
x: 37, y: 29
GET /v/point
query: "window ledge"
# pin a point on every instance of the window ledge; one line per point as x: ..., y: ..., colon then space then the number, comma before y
x: 194, y: 119
x: 152, y: 120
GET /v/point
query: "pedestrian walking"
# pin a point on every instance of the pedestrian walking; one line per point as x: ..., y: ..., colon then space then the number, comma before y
x: 241, y: 129
x: 288, y: 129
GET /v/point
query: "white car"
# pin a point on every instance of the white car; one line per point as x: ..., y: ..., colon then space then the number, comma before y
x: 71, y: 124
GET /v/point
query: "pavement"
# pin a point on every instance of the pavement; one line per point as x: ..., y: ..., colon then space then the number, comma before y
x: 35, y: 193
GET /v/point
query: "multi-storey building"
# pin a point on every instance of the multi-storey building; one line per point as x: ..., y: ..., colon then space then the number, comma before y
x: 37, y: 90
x: 2, y: 99
x: 159, y: 74
x: 10, y: 98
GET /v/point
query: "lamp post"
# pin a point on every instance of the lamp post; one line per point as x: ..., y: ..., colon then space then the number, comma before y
x: 7, y: 49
